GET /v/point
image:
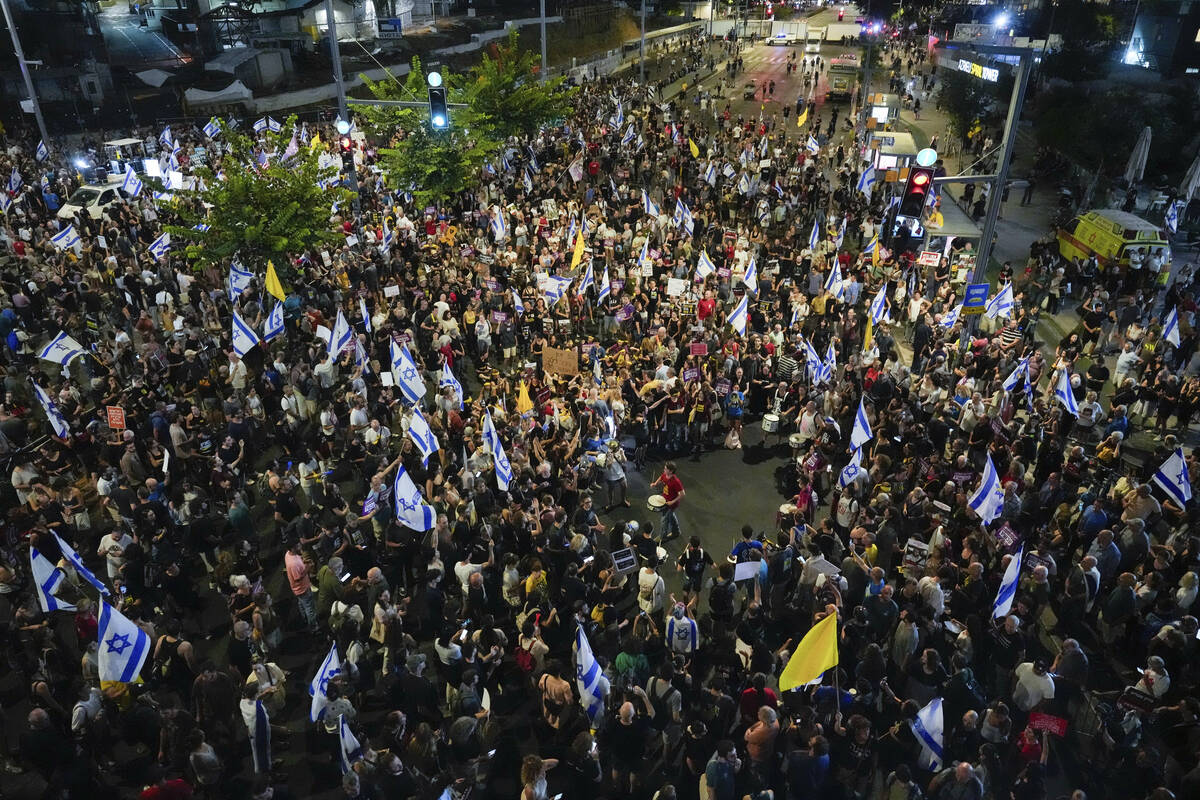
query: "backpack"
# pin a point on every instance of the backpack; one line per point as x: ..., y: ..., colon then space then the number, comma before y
x: 524, y: 658
x: 661, y: 703
x: 965, y: 689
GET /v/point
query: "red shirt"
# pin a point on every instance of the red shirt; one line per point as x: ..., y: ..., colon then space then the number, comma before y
x: 177, y: 789
x: 671, y: 486
x: 705, y: 308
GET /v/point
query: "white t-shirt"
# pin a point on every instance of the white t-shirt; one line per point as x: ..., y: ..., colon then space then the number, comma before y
x: 650, y: 591
x: 1031, y: 688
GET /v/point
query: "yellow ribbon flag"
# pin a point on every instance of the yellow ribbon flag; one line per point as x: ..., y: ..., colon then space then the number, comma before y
x: 273, y: 285
x: 315, y: 142
x: 875, y: 253
x: 816, y: 653
x: 692, y: 146
x: 524, y: 404
x: 578, y: 255
x: 869, y: 336
x: 803, y: 118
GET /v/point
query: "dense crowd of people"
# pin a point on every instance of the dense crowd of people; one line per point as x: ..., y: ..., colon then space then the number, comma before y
x: 430, y: 587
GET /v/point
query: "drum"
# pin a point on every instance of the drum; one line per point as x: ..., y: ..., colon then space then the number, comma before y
x: 770, y: 423
x: 796, y: 441
x: 656, y: 503
x: 787, y: 509
x: 661, y: 552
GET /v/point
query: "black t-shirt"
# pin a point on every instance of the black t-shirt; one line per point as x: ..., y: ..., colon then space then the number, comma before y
x: 694, y: 561
x: 628, y: 744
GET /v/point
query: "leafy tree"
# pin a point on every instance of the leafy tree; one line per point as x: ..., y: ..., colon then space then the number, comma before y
x: 433, y: 165
x: 965, y: 100
x: 503, y: 88
x: 257, y: 204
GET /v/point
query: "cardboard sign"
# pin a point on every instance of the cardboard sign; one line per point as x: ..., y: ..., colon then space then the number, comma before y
x: 647, y: 270
x: 625, y: 312
x: 1046, y: 722
x: 676, y: 286
x: 975, y: 298
x: 492, y: 284
x: 691, y: 374
x: 929, y: 258
x: 391, y: 291
x: 560, y: 361
x: 723, y: 386
x: 499, y: 317
x: 1007, y: 538
x: 916, y: 555
x: 723, y: 272
x: 625, y: 561
x: 698, y: 349
x: 116, y: 417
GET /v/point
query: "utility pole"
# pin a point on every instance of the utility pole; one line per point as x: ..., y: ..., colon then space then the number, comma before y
x: 545, y: 63
x: 16, y: 40
x: 642, y: 60
x: 343, y: 112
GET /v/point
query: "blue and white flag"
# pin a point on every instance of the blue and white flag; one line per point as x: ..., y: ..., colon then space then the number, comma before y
x: 212, y: 128
x: 833, y: 284
x: 737, y: 317
x: 1001, y: 304
x: 407, y: 376
x: 527, y: 179
x: 362, y: 309
x: 533, y: 162
x: 1170, y: 330
x: 80, y: 568
x: 629, y: 135
x: 589, y: 281
x: 1064, y: 393
x: 340, y: 336
x: 260, y: 125
x: 1008, y: 586
x: 47, y: 579
x: 829, y: 365
x: 67, y: 237
x: 57, y: 421
x: 260, y: 739
x: 677, y: 218
x: 988, y: 499
x: 589, y: 678
x: 517, y: 304
x: 239, y: 280
x: 244, y: 337
x: 605, y: 288
x: 644, y: 256
x: 1172, y: 477
x: 14, y: 180
x: 411, y: 509
x: 1028, y: 391
x: 274, y: 324
x: 348, y: 747
x: 710, y: 174
x: 619, y: 117
x: 751, y: 277
x: 132, y: 185
x: 165, y: 136
x: 43, y: 152
x: 499, y: 227
x: 447, y: 379
x: 5, y: 202
x: 648, y: 205
x: 813, y: 145
x: 161, y: 246
x: 318, y: 687
x: 1171, y: 218
x: 556, y: 289
x: 812, y: 360
x: 62, y: 349
x: 861, y: 433
x: 743, y: 185
x: 879, y: 305
x: 123, y: 646
x: 950, y: 318
x: 728, y: 171
x: 866, y: 180
x: 705, y: 266
x: 841, y: 234
x: 422, y: 436
x: 851, y: 471
x: 504, y: 473
x: 927, y: 727
x: 1022, y: 368
x: 275, y: 126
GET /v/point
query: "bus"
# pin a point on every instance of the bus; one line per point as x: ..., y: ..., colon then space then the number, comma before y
x: 843, y: 76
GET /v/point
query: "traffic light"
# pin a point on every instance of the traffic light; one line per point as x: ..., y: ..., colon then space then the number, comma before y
x: 346, y: 147
x: 439, y: 111
x: 916, y: 191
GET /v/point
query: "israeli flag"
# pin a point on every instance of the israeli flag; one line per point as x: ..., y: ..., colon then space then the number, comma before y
x: 132, y: 185
x: 276, y: 127
x: 879, y: 305
x: 447, y: 379
x: 1022, y: 368
x: 533, y: 162
x: 165, y: 136
x: 504, y: 473
x: 366, y: 318
x: 648, y: 204
x: 260, y: 125
x: 5, y: 202
x: 1062, y: 390
x: 422, y: 436
x: 407, y: 376
x: 728, y: 171
x: 348, y: 746
x: 861, y: 434
x: 274, y: 324
x: 62, y: 349
x: 589, y: 678
x: 571, y: 229
x: 1001, y: 305
x: 644, y: 256
x: 80, y: 568
x: 517, y: 304
x: 851, y: 471
x: 927, y: 727
x: 619, y: 119
x: 556, y: 290
x: 14, y: 180
x: 743, y: 186
x: 318, y: 687
x: 737, y: 317
x: 751, y: 277
x: 499, y: 228
x: 527, y: 179
x: 123, y: 646
x: 47, y: 579
x: 43, y: 152
x: 340, y: 336
x: 710, y: 174
x: 65, y: 238
x: 812, y: 360
x: 605, y: 288
x: 1028, y: 391
x: 1170, y: 219
x: 239, y: 281
x: 161, y: 246
x: 212, y: 128
x: 1170, y: 330
x: 1172, y: 477
x: 260, y: 739
x: 244, y: 337
x: 988, y: 499
x: 589, y: 281
x: 1008, y: 586
x: 57, y: 421
x: 950, y: 318
x: 705, y: 266
x: 866, y: 180
x: 679, y: 209
x: 813, y: 145
x: 629, y: 135
x: 833, y: 284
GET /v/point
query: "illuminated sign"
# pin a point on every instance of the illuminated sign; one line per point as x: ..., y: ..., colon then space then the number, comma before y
x: 978, y: 70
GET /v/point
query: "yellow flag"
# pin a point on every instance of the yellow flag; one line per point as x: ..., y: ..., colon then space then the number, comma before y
x: 803, y: 118
x: 315, y: 142
x: 816, y: 653
x: 578, y: 256
x: 869, y: 336
x: 692, y: 146
x: 875, y: 252
x: 524, y: 404
x: 273, y: 284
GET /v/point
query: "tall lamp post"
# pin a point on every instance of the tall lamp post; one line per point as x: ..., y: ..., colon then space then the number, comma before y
x: 16, y: 40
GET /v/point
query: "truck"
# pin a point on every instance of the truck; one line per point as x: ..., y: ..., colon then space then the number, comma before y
x: 812, y: 42
x: 842, y: 32
x: 788, y: 32
x: 843, y: 76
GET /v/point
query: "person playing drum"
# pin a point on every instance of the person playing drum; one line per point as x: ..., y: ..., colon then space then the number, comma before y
x: 783, y: 405
x: 672, y: 492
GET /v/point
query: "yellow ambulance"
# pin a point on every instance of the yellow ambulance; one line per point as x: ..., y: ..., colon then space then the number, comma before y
x: 1111, y: 235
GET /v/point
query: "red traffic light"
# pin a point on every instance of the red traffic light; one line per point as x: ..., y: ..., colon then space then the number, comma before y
x: 920, y: 179
x: 916, y: 192
x: 346, y: 143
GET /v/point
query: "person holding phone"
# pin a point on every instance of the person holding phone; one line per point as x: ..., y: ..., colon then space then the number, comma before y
x: 533, y: 777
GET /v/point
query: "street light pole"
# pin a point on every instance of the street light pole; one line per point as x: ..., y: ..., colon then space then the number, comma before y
x: 16, y: 40
x: 343, y: 112
x: 642, y: 58
x: 545, y: 63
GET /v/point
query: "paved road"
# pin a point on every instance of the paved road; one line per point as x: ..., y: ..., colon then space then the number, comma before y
x: 131, y: 45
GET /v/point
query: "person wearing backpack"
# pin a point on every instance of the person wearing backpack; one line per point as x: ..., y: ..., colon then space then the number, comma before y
x: 668, y: 709
x: 531, y: 651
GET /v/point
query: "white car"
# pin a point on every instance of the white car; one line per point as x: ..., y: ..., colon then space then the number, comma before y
x: 92, y: 198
